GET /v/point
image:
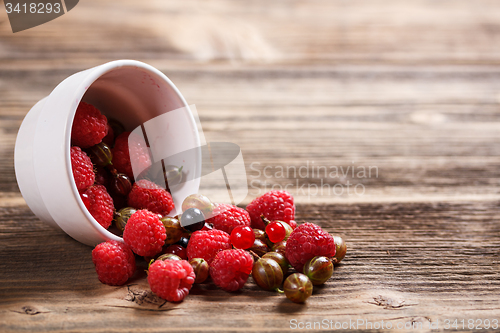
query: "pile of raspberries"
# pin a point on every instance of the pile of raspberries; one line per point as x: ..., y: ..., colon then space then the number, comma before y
x: 100, y: 158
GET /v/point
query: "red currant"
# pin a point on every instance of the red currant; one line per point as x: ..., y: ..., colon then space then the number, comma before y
x: 275, y: 231
x: 242, y: 237
x: 177, y: 250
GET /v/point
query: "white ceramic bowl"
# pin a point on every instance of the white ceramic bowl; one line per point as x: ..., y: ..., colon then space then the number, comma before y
x: 131, y: 92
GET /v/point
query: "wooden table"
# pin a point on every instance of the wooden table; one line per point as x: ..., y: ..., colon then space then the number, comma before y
x: 409, y: 89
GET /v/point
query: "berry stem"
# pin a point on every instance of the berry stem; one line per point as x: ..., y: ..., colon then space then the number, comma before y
x: 149, y: 265
x: 265, y: 219
x: 112, y: 169
x: 254, y: 254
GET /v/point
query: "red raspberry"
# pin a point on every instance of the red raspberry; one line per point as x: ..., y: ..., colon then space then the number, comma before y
x: 123, y: 153
x: 147, y: 195
x: 99, y: 204
x: 206, y: 244
x: 144, y: 233
x: 89, y: 126
x: 308, y: 240
x: 227, y: 217
x: 171, y: 279
x: 230, y: 269
x: 114, y: 262
x: 83, y: 170
x: 274, y: 205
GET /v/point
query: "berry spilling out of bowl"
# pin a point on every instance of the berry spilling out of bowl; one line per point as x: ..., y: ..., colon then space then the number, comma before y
x: 178, y: 257
x: 207, y: 243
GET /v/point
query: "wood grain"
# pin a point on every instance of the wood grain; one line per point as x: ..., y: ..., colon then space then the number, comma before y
x: 406, y: 262
x: 410, y: 88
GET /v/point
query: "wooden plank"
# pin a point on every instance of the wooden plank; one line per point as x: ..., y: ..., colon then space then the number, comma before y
x: 411, y: 88
x: 431, y: 143
x: 412, y: 261
x: 322, y: 31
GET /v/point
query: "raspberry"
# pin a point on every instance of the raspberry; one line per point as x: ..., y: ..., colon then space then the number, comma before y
x: 274, y: 205
x: 89, y: 126
x: 114, y: 262
x: 171, y: 279
x: 308, y: 240
x: 144, y: 233
x: 99, y: 204
x: 206, y: 244
x: 230, y: 269
x: 123, y: 153
x: 227, y: 217
x: 147, y: 195
x: 83, y: 170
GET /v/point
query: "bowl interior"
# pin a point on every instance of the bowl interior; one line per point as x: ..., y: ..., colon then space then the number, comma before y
x: 132, y: 95
x: 136, y: 97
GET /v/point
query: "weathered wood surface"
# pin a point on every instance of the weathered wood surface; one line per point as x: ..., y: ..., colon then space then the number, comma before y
x: 412, y: 89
